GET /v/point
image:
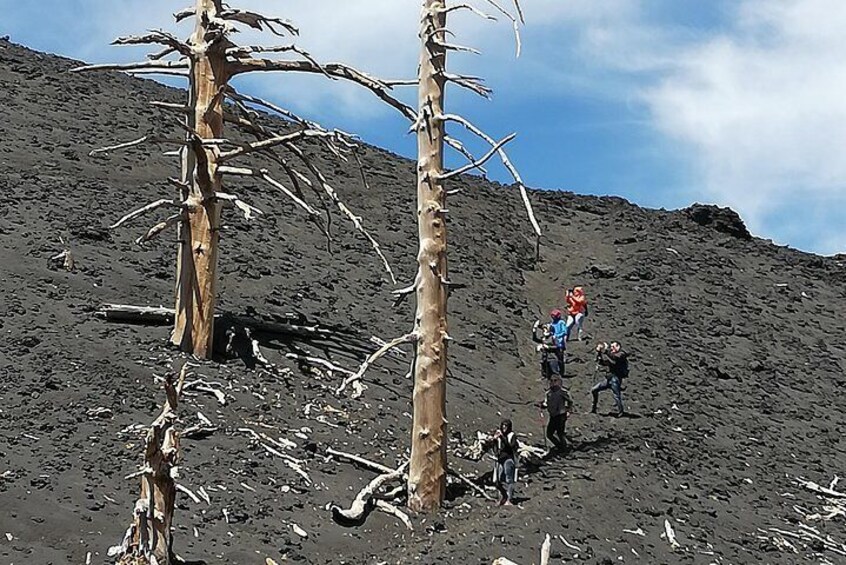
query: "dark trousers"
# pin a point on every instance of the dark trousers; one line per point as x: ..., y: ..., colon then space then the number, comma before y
x: 553, y: 363
x: 612, y: 382
x: 555, y: 430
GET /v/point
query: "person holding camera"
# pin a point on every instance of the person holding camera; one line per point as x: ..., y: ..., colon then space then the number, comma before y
x: 552, y: 362
x: 616, y: 361
x: 505, y: 446
x: 576, y: 310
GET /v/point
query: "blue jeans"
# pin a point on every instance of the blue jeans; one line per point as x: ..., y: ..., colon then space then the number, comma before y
x: 507, y: 472
x: 612, y: 382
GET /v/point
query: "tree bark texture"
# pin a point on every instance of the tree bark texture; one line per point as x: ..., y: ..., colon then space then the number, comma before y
x: 196, y: 275
x: 149, y: 539
x: 427, y: 471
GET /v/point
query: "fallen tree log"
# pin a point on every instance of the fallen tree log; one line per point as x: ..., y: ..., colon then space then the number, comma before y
x: 288, y: 327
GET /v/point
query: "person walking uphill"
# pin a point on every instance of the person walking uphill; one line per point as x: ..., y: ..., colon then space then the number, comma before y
x: 558, y: 404
x: 504, y: 442
x: 550, y: 361
x: 617, y: 362
x: 577, y: 310
x: 558, y: 328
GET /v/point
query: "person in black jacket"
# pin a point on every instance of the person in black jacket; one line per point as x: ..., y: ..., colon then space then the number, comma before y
x: 617, y: 362
x: 558, y: 404
x: 505, y: 445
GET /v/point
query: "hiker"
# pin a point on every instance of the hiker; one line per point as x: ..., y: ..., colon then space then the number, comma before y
x: 577, y: 310
x: 558, y: 404
x: 559, y: 334
x: 551, y: 364
x: 504, y: 443
x: 617, y: 362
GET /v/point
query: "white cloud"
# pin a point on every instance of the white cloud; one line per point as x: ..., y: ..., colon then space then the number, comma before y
x: 763, y: 108
x: 756, y: 102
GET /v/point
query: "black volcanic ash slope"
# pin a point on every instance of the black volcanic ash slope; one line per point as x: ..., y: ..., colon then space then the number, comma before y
x: 737, y: 346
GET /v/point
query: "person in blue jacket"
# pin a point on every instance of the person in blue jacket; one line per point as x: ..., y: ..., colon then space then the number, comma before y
x: 558, y: 327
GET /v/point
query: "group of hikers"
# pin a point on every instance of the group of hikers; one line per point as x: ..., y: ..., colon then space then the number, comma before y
x: 552, y: 338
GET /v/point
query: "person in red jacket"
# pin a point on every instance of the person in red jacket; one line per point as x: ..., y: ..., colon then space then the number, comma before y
x: 577, y: 310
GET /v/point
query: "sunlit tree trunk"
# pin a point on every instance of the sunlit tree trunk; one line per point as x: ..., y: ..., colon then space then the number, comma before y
x: 427, y: 470
x: 196, y: 275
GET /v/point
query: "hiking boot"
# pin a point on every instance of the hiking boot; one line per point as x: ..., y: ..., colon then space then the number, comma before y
x: 619, y: 414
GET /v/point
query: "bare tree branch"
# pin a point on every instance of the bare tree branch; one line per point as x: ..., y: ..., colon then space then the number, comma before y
x: 159, y: 228
x: 514, y: 20
x: 156, y: 37
x: 249, y: 211
x: 313, y: 213
x: 388, y: 508
x: 505, y: 161
x: 458, y: 146
x: 469, y: 8
x: 184, y: 13
x: 141, y: 65
x: 182, y: 108
x: 338, y: 70
x: 378, y: 354
x: 242, y: 52
x: 333, y: 196
x: 236, y: 96
x: 473, y: 84
x: 478, y: 163
x: 270, y: 143
x: 260, y: 22
x: 144, y: 209
x: 362, y: 501
x: 136, y: 142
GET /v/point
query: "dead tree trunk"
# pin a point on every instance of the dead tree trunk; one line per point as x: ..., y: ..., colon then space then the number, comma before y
x: 196, y: 271
x: 427, y: 472
x: 209, y: 59
x: 149, y: 539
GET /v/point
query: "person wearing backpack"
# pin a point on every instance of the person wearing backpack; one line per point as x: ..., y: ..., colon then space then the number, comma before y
x: 505, y: 446
x: 616, y: 361
x: 577, y: 309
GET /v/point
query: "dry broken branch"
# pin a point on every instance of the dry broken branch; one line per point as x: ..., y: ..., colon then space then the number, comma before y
x: 157, y: 37
x: 144, y: 209
x: 259, y: 22
x: 141, y: 65
x: 337, y: 70
x: 481, y: 161
x: 505, y: 161
x: 136, y: 142
x: 270, y: 143
x: 378, y: 354
x: 248, y: 210
x: 378, y: 467
x: 363, y: 502
x: 159, y: 228
x: 356, y: 220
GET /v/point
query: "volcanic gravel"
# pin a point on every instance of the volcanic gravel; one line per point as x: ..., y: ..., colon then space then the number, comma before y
x: 736, y: 344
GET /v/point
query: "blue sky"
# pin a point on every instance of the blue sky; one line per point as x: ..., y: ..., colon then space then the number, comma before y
x: 664, y: 102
